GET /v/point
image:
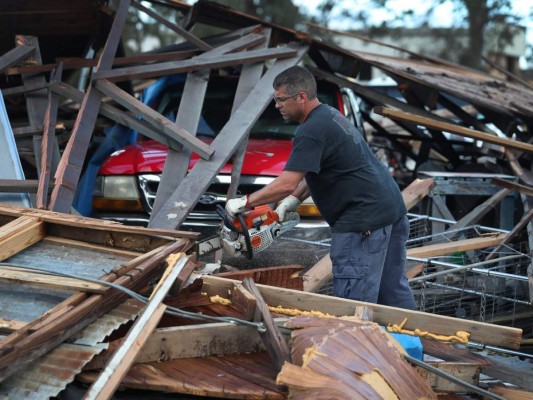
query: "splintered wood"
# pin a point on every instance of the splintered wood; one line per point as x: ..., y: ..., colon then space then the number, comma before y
x: 344, y: 359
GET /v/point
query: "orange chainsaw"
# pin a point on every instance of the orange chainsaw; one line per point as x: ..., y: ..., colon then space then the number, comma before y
x: 252, y: 231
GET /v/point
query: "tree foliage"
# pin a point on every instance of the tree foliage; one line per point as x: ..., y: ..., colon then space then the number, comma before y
x: 477, y: 16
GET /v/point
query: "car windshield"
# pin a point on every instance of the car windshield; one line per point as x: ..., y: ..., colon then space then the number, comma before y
x: 217, y: 106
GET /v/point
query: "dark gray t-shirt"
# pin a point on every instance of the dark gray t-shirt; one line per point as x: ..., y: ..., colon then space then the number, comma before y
x: 352, y: 189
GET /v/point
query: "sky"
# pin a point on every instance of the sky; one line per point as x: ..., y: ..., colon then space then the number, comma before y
x: 521, y: 7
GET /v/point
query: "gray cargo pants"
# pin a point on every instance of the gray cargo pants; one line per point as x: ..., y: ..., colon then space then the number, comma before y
x: 371, y: 269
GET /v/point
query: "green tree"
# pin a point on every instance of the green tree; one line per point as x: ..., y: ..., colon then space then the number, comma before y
x: 477, y: 16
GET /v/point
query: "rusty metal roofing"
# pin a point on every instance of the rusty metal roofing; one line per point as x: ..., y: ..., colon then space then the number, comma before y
x: 55, y: 370
x: 475, y: 87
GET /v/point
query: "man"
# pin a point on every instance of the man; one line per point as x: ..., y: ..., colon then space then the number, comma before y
x: 354, y: 192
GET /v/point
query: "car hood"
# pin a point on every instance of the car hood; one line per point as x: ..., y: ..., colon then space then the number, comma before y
x: 263, y: 157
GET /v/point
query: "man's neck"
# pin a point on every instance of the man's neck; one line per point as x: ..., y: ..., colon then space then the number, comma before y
x: 309, y: 107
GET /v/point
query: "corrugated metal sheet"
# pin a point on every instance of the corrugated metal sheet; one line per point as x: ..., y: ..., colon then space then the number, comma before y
x: 473, y: 86
x: 57, y: 368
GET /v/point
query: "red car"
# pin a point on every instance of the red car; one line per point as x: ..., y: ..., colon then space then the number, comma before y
x: 127, y: 181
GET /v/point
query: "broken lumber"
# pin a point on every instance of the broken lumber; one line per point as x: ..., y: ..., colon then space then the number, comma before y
x: 361, y: 355
x: 117, y: 367
x: 452, y: 128
x: 42, y: 334
x: 480, y: 332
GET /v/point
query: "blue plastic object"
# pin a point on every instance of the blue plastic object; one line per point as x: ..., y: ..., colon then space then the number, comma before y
x: 411, y: 344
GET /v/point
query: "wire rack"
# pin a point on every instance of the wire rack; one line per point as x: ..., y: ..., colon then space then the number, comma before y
x: 467, y: 284
x: 470, y: 284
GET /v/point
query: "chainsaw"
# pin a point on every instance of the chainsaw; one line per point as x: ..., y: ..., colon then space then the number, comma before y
x: 252, y: 231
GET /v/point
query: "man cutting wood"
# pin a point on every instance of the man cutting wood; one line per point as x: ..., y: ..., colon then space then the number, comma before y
x: 354, y: 192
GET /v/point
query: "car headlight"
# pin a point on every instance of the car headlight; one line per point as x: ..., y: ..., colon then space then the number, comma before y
x: 116, y: 193
x: 116, y: 187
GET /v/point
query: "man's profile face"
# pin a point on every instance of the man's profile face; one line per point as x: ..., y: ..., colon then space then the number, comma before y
x: 287, y: 103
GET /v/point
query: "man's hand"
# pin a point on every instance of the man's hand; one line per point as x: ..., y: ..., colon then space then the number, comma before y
x: 287, y: 206
x: 237, y: 206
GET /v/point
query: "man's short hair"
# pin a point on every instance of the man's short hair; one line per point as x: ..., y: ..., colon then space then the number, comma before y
x: 297, y: 79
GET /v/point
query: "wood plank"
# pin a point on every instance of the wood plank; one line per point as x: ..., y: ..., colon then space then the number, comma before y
x: 384, y: 315
x: 83, y: 224
x: 160, y: 122
x: 527, y: 190
x: 452, y: 128
x: 272, y: 338
x: 193, y: 65
x: 171, y: 214
x: 189, y: 341
x: 75, y: 152
x: 524, y: 221
x: 8, y: 326
x: 250, y: 75
x: 115, y: 114
x: 416, y: 191
x: 20, y: 275
x: 188, y: 116
x: 176, y: 28
x: 441, y: 249
x: 89, y: 246
x: 15, y: 56
x: 76, y: 62
x: 477, y: 213
x: 512, y: 393
x: 121, y: 361
x: 47, y: 150
x: 466, y: 372
x: 20, y: 234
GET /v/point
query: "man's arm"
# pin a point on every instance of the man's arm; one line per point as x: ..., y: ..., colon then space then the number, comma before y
x: 289, y: 182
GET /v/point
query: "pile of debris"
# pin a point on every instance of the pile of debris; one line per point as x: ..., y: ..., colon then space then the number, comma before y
x: 67, y: 317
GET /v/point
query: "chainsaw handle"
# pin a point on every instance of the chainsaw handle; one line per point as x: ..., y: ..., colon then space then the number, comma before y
x: 229, y: 223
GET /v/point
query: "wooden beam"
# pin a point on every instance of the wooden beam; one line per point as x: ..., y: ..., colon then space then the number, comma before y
x: 250, y: 75
x: 118, y: 366
x: 441, y: 249
x: 416, y: 191
x: 71, y: 163
x: 172, y: 213
x: 527, y: 190
x: 90, y: 246
x: 21, y: 275
x: 188, y: 115
x: 75, y: 63
x: 452, y: 128
x: 178, y: 29
x: 15, y: 56
x: 477, y: 213
x: 276, y: 346
x: 47, y: 150
x: 383, y: 315
x: 117, y: 115
x: 9, y: 326
x: 20, y: 234
x: 189, y: 341
x: 511, y: 235
x: 227, y: 60
x: 158, y: 121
